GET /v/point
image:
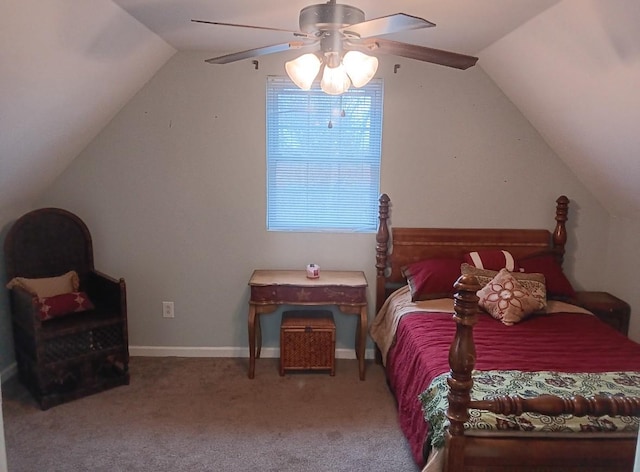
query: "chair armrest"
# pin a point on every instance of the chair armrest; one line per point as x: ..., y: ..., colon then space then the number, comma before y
x: 24, y: 308
x: 107, y: 292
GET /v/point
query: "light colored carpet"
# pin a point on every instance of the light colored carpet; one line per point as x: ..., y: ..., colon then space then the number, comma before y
x: 204, y: 414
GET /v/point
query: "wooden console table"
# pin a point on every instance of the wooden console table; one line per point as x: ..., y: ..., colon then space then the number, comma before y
x: 271, y: 288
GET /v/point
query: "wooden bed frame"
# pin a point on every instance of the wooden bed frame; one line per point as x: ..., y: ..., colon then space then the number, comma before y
x: 472, y: 453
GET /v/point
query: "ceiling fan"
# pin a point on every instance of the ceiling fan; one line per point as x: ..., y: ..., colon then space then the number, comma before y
x: 345, y: 39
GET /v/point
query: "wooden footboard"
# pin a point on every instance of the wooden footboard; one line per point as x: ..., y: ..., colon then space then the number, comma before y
x: 463, y: 453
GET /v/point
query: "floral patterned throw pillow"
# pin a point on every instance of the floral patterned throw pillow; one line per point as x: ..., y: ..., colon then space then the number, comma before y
x: 533, y: 282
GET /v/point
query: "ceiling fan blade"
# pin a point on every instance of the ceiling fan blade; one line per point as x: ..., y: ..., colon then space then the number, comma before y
x: 386, y: 25
x: 295, y: 33
x: 238, y: 56
x: 413, y: 51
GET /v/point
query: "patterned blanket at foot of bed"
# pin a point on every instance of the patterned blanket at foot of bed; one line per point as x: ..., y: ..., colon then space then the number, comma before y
x: 490, y: 384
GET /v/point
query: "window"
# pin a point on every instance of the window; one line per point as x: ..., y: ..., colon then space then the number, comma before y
x: 323, y: 157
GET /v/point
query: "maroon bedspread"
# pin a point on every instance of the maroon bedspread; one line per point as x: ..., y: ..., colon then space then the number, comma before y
x: 563, y: 342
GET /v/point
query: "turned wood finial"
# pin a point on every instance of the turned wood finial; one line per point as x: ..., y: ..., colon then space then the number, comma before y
x: 382, y: 248
x: 382, y: 237
x: 560, y: 233
x: 462, y: 354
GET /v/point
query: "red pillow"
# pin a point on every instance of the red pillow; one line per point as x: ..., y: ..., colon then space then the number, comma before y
x: 432, y: 278
x: 65, y: 304
x: 491, y: 259
x: 558, y: 286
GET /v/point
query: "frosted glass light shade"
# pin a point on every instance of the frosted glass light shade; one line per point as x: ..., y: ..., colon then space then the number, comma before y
x: 360, y: 67
x: 335, y: 80
x: 303, y: 70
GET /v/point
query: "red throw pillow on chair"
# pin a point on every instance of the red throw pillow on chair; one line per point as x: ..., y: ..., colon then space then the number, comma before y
x: 65, y: 304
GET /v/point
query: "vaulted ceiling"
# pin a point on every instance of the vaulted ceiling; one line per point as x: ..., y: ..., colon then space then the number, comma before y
x: 461, y: 25
x: 571, y: 66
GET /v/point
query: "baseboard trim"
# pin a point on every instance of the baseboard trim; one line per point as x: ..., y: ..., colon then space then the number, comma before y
x: 178, y: 351
x: 242, y: 352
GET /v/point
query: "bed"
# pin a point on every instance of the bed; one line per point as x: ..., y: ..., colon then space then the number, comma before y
x: 555, y: 389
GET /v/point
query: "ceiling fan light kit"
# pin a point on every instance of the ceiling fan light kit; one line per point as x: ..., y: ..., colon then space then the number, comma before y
x: 355, y: 68
x: 344, y: 37
x: 303, y: 70
x: 335, y: 80
x: 360, y: 67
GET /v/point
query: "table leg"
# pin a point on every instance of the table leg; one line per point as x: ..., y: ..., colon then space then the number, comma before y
x: 362, y: 340
x: 252, y: 341
x: 258, y: 336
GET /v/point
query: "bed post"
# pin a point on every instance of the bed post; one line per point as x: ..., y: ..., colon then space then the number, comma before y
x: 560, y: 233
x: 462, y: 359
x: 382, y: 249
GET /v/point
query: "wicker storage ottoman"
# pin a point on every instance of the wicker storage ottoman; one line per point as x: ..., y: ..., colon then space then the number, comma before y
x: 307, y: 341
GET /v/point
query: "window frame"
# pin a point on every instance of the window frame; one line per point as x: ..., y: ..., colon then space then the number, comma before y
x: 335, y: 188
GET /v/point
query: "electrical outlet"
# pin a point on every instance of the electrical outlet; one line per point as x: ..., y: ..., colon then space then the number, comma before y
x: 167, y: 309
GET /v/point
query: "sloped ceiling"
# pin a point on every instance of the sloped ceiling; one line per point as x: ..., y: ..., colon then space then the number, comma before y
x: 574, y: 72
x: 461, y: 25
x: 571, y: 66
x: 68, y: 66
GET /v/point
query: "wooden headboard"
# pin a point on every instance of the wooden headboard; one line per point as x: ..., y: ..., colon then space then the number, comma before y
x: 402, y: 246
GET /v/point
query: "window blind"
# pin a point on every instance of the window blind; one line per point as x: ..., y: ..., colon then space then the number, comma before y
x: 323, y: 157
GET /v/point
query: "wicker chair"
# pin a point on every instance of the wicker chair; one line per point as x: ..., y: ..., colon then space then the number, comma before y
x: 78, y: 354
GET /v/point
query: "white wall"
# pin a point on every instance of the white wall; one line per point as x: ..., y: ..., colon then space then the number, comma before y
x: 173, y: 190
x: 622, y: 262
x: 573, y: 71
x: 68, y: 66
